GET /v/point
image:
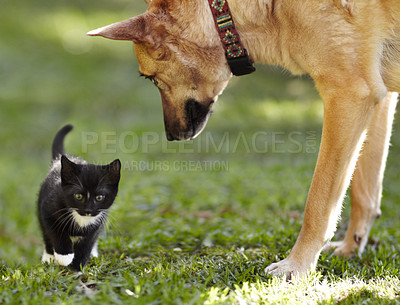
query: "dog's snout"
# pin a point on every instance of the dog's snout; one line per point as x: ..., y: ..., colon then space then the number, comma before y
x: 195, y: 116
x: 197, y: 112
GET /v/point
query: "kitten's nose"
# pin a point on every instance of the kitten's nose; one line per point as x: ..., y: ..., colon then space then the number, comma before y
x: 88, y: 213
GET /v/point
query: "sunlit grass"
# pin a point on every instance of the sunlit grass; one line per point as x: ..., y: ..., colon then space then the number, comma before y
x: 313, y: 290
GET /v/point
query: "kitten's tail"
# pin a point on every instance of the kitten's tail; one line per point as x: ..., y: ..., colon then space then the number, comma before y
x: 58, y: 142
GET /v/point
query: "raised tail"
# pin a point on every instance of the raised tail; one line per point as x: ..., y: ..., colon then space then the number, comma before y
x: 58, y: 142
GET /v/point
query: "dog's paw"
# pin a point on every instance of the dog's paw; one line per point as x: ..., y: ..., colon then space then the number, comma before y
x: 288, y: 269
x: 341, y: 248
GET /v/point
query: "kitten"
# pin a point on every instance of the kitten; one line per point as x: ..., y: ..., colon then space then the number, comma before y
x: 73, y: 205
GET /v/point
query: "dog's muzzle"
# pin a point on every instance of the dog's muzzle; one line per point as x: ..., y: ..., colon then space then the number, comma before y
x: 196, y: 116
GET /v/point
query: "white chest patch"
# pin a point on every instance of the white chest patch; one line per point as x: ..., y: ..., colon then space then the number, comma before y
x: 84, y: 221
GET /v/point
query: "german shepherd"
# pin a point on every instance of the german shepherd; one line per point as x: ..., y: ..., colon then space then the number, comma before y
x: 351, y: 48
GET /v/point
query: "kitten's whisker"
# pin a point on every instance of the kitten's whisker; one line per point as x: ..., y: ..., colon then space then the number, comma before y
x: 68, y: 223
x: 60, y: 220
x: 101, y: 218
x: 60, y: 210
x: 76, y: 227
x: 63, y: 224
x: 112, y: 223
x: 109, y: 223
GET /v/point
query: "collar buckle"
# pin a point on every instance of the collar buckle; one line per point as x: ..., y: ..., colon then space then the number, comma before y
x: 241, y: 65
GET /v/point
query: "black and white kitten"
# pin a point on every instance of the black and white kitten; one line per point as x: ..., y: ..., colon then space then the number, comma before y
x: 73, y: 205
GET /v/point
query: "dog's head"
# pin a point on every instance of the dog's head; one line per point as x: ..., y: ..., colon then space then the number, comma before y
x: 178, y: 49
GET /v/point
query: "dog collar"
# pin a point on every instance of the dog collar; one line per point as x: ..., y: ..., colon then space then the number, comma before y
x: 236, y: 54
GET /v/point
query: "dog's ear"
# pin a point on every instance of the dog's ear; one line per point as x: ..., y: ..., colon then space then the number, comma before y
x: 158, y: 52
x: 148, y: 1
x: 136, y: 29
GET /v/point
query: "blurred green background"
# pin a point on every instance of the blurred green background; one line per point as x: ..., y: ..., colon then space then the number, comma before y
x: 52, y: 74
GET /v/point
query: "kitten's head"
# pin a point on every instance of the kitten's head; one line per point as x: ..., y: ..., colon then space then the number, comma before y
x: 89, y: 189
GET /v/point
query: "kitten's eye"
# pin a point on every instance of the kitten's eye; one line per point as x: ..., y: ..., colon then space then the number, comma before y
x: 78, y: 197
x: 100, y: 198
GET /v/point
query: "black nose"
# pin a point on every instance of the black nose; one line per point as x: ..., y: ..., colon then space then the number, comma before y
x: 170, y: 136
x: 197, y: 113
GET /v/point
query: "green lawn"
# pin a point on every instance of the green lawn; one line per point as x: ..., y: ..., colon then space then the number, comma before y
x: 194, y: 222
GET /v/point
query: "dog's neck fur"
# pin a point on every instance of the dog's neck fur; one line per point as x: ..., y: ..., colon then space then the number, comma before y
x: 256, y: 24
x: 260, y: 22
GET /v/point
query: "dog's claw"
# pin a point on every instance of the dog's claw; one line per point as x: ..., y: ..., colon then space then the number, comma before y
x: 283, y: 268
x: 288, y: 269
x: 341, y: 248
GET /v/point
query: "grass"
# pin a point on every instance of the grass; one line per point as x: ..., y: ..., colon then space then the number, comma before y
x: 194, y: 222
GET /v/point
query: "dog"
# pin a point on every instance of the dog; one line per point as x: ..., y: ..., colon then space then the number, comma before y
x: 351, y: 49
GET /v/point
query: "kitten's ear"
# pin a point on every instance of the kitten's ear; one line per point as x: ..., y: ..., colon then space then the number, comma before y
x: 114, y: 171
x: 69, y: 170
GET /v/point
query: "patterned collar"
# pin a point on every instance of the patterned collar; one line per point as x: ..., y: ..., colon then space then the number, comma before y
x: 235, y: 53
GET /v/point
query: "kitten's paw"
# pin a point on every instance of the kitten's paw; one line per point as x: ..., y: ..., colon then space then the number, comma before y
x: 47, y: 258
x: 64, y: 260
x: 95, y: 251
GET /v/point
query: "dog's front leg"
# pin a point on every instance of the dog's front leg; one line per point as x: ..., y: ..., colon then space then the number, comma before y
x: 347, y: 113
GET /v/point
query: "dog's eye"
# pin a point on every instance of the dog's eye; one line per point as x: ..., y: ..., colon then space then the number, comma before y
x: 154, y: 81
x: 151, y: 78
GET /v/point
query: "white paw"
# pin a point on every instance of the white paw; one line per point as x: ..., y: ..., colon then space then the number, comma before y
x: 64, y: 260
x: 288, y: 269
x: 47, y: 258
x: 95, y: 251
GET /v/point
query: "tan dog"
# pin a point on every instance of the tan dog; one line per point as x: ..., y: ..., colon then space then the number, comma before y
x: 351, y: 48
